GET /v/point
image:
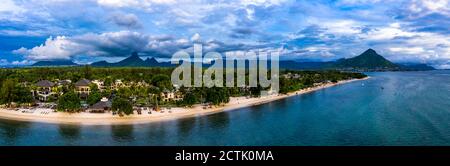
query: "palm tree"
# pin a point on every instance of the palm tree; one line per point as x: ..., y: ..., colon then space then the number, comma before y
x: 155, y: 93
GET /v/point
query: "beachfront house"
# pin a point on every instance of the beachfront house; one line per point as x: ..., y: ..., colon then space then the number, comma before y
x: 44, y: 90
x: 104, y: 105
x: 65, y: 83
x: 100, y: 84
x: 142, y: 84
x: 82, y: 88
x: 167, y: 96
x: 292, y: 76
x: 117, y: 84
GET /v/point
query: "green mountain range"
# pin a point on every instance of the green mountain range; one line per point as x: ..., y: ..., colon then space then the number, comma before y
x: 133, y: 61
x: 369, y: 60
x: 54, y: 63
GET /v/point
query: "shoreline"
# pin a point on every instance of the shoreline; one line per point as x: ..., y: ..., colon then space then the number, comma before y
x: 47, y: 116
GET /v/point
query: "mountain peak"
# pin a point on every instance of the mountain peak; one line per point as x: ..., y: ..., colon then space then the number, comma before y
x: 55, y: 63
x: 151, y: 61
x: 134, y: 55
x: 370, y: 59
x: 370, y: 52
x: 133, y: 60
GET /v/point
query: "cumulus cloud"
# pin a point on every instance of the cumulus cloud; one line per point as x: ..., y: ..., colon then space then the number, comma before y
x: 126, y: 20
x: 4, y: 62
x: 195, y: 37
x: 53, y: 48
x: 21, y: 63
x: 415, y: 30
x: 132, y: 3
x: 116, y: 44
x: 419, y: 8
x: 243, y: 32
x: 10, y: 6
x: 408, y: 50
x: 106, y: 44
x: 426, y: 15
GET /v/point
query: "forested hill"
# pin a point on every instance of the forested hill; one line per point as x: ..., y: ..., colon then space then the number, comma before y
x: 370, y: 60
x: 133, y: 61
x: 54, y: 63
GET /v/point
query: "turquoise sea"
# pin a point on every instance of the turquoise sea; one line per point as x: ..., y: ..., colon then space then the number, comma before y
x: 391, y: 108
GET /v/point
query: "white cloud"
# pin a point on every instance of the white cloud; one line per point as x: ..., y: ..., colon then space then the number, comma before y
x: 22, y: 63
x: 110, y: 44
x: 344, y: 27
x: 195, y: 37
x: 120, y: 44
x: 21, y: 33
x: 265, y: 3
x: 338, y: 26
x: 10, y: 6
x: 4, y: 62
x: 53, y: 48
x: 133, y: 3
x: 387, y: 33
x: 420, y: 8
x: 408, y: 50
x: 127, y: 20
x: 149, y: 3
x: 359, y: 2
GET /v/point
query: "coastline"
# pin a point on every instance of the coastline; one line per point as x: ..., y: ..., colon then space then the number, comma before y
x: 176, y: 113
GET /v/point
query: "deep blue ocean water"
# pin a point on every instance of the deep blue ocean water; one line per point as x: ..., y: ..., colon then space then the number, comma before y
x: 391, y: 108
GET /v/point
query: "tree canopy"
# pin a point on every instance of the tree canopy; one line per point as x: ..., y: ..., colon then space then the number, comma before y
x: 122, y: 106
x: 94, y: 97
x: 11, y: 91
x: 69, y: 102
x: 16, y: 85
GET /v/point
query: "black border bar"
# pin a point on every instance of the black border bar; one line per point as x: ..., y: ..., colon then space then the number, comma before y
x: 168, y: 153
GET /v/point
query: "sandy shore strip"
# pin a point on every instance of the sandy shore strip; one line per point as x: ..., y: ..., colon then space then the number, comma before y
x: 83, y: 118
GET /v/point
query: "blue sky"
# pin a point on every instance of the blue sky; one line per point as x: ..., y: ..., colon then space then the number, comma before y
x: 90, y: 30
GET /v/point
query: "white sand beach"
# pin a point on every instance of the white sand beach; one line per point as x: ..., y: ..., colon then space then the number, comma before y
x: 83, y: 118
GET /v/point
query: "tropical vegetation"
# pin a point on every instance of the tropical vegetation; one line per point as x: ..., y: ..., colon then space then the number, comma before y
x: 17, y: 84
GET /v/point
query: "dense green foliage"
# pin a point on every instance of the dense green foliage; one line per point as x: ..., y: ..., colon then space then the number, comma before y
x: 93, y: 98
x: 69, y: 102
x: 19, y: 82
x: 189, y: 99
x: 307, y: 79
x: 217, y: 95
x: 122, y: 106
x: 32, y: 75
x: 11, y: 91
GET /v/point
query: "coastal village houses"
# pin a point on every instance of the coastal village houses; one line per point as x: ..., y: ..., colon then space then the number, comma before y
x: 100, y: 85
x: 44, y: 90
x: 171, y: 96
x: 118, y: 84
x: 82, y: 88
x: 47, y: 91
